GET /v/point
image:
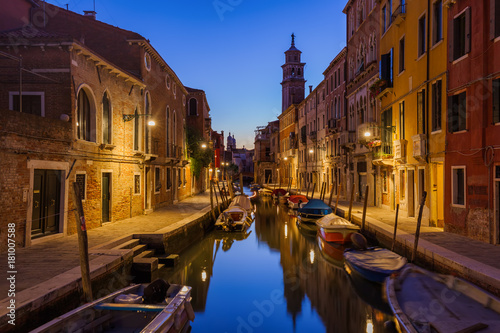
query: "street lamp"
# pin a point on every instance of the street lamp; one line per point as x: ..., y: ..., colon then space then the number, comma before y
x: 129, y: 117
x: 203, y: 145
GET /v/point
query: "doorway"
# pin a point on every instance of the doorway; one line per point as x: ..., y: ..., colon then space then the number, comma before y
x: 106, y: 196
x: 46, y: 202
x: 147, y: 188
x: 497, y: 212
x: 411, y: 193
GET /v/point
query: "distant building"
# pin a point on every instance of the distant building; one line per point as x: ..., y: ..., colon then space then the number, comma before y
x: 293, y: 83
x: 231, y: 142
x: 265, y: 153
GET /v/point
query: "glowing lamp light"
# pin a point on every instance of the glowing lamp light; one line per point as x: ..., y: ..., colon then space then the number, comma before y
x: 203, y: 145
x: 151, y: 123
x: 311, y: 256
x: 203, y: 276
x: 369, y: 326
x: 367, y: 133
x: 210, y: 170
x: 311, y: 151
x: 286, y: 158
x: 218, y: 170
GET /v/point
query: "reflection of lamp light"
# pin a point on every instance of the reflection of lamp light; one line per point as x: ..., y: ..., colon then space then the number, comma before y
x: 367, y: 133
x: 311, y: 256
x: 218, y: 170
x: 286, y: 231
x: 203, y: 276
x: 369, y: 326
x: 210, y: 170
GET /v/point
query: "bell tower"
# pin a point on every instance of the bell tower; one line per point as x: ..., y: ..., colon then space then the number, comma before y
x: 293, y: 83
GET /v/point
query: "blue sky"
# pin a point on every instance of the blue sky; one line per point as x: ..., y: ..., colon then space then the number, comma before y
x: 232, y: 49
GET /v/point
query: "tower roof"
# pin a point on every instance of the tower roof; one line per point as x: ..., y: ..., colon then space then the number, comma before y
x: 292, y: 47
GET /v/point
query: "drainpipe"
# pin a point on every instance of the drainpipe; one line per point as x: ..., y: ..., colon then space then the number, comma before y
x: 427, y: 94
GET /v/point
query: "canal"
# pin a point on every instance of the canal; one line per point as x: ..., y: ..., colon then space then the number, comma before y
x: 275, y: 278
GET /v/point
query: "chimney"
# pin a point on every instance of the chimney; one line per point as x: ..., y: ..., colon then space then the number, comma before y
x: 310, y: 89
x: 90, y: 14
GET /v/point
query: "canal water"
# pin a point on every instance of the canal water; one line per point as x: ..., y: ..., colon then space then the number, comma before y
x: 275, y: 278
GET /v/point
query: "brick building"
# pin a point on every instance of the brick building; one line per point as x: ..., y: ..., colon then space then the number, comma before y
x: 93, y: 88
x: 265, y: 153
x: 472, y: 162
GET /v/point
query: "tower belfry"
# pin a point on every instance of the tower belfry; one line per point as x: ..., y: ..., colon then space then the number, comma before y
x: 293, y: 84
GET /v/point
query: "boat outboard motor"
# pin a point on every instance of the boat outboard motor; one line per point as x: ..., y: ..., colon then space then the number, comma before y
x: 156, y: 291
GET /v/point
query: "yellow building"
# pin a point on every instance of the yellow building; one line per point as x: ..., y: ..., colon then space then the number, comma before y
x: 412, y: 92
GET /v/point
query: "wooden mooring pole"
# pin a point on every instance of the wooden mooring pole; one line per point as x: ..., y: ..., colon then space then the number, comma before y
x: 395, y: 228
x: 312, y: 194
x: 419, y: 221
x: 212, y: 200
x: 216, y: 199
x: 307, y: 192
x: 350, y: 203
x: 241, y: 183
x: 331, y: 195
x: 363, y: 219
x: 338, y: 195
x: 83, y: 245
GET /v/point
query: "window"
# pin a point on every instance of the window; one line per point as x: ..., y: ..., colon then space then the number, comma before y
x: 179, y: 183
x: 460, y: 32
x: 81, y: 180
x: 421, y: 120
x: 193, y: 107
x: 384, y: 19
x: 167, y: 81
x: 496, y: 101
x: 386, y: 135
x: 157, y: 180
x: 402, y: 120
x: 386, y: 67
x: 137, y: 184
x: 436, y: 106
x: 167, y: 131
x: 169, y: 179
x: 137, y: 130
x: 401, y: 54
x: 494, y: 18
x: 33, y: 102
x: 458, y: 186
x: 84, y: 120
x: 107, y: 119
x: 389, y: 13
x: 437, y: 22
x: 385, y: 182
x: 457, y: 112
x: 402, y: 184
x: 184, y: 180
x: 421, y: 36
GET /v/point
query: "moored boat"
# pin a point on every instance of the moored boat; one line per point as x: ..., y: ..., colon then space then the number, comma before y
x: 238, y: 216
x: 295, y: 201
x: 374, y: 264
x: 332, y: 252
x: 279, y: 195
x: 157, y: 308
x: 423, y: 301
x: 313, y: 210
x: 335, y: 229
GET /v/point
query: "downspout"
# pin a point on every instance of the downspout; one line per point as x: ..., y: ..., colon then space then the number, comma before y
x: 427, y: 181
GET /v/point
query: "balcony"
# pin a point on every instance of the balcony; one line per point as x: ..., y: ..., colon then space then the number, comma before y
x: 347, y: 139
x: 368, y: 132
x: 419, y: 147
x: 312, y: 136
x: 380, y: 88
x: 400, y: 150
x: 399, y: 14
x: 383, y: 155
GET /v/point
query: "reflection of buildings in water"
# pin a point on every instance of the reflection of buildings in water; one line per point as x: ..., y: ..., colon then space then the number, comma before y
x: 305, y: 272
x: 195, y: 269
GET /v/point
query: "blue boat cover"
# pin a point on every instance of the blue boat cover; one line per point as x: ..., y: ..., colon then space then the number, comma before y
x: 316, y: 207
x: 376, y: 260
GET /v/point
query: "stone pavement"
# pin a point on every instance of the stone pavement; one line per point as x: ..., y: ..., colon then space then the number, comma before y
x: 44, y: 260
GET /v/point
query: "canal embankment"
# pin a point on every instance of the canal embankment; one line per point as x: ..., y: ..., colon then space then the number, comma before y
x: 50, y: 277
x: 440, y: 251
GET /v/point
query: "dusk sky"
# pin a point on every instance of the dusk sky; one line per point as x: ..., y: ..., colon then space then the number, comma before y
x: 232, y: 49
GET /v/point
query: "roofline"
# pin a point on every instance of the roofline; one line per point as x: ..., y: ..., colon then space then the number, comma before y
x: 349, y: 3
x: 150, y: 49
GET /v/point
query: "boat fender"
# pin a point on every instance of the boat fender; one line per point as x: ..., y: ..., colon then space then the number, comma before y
x: 128, y: 299
x: 156, y: 291
x: 189, y: 310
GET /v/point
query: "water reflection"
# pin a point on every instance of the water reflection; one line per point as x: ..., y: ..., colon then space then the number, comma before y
x: 274, y: 279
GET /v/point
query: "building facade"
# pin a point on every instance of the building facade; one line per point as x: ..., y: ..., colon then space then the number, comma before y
x: 265, y: 153
x: 95, y: 108
x: 472, y: 164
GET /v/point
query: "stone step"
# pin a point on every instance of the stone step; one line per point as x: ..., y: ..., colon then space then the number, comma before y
x: 169, y: 260
x: 145, y: 254
x: 161, y: 266
x: 139, y: 249
x: 143, y: 265
x: 128, y: 244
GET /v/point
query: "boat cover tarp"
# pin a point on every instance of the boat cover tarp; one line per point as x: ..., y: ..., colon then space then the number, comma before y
x: 242, y: 201
x: 296, y: 197
x: 316, y: 207
x: 279, y: 191
x: 335, y: 222
x: 376, y: 259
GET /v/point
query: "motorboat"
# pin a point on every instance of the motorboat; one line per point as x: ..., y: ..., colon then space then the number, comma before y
x: 312, y: 211
x: 423, y: 301
x: 374, y: 263
x: 238, y: 216
x: 295, y: 201
x: 332, y: 252
x: 279, y: 195
x: 265, y: 193
x: 333, y: 228
x: 155, y: 308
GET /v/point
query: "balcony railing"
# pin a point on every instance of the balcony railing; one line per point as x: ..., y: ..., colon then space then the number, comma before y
x: 384, y: 151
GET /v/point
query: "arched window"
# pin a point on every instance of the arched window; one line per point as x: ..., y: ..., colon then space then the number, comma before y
x: 85, y: 117
x: 193, y: 107
x: 335, y: 108
x: 107, y: 119
x: 137, y: 131
x: 174, y: 132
